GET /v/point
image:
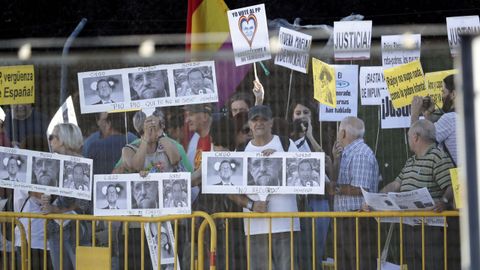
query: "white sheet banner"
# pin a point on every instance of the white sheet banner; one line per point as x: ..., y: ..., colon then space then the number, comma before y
x: 457, y: 26
x: 283, y: 173
x: 156, y: 194
x: 352, y: 40
x: 347, y: 95
x: 391, y: 117
x: 294, y: 50
x: 47, y: 173
x: 147, y: 87
x: 372, y: 82
x: 400, y: 49
x: 249, y: 33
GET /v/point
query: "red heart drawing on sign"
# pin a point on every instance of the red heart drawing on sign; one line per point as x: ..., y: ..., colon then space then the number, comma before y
x: 248, y: 27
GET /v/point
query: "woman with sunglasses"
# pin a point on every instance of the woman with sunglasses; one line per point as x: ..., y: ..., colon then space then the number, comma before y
x: 66, y: 139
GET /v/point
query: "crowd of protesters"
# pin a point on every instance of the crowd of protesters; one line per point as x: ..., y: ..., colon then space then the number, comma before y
x: 250, y: 125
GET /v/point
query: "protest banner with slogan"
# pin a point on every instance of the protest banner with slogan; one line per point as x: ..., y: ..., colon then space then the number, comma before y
x: 47, y: 173
x: 391, y: 117
x: 400, y: 49
x: 153, y: 195
x: 434, y: 83
x: 457, y: 26
x: 457, y: 188
x: 294, y: 50
x: 249, y: 33
x: 372, y: 82
x: 352, y: 40
x: 17, y: 85
x: 346, y: 80
x: 239, y: 173
x: 161, y: 241
x: 147, y: 87
x: 404, y: 82
x: 324, y: 87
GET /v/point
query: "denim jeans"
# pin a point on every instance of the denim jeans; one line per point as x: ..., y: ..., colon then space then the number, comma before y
x: 68, y: 249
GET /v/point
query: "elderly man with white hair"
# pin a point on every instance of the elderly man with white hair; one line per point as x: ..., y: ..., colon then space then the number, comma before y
x: 429, y: 167
x: 355, y: 167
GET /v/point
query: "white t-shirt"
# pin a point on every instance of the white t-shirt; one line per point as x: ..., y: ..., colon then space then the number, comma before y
x: 31, y: 206
x: 276, y: 202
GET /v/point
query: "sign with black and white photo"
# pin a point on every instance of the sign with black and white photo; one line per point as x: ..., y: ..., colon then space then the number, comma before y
x: 147, y: 87
x: 249, y: 34
x: 161, y: 244
x: 346, y: 80
x: 461, y: 25
x: 294, y: 50
x: 131, y: 194
x: 352, y: 40
x: 253, y: 173
x: 48, y: 173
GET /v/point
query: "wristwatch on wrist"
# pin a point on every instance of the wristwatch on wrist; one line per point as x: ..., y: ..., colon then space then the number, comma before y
x: 250, y: 205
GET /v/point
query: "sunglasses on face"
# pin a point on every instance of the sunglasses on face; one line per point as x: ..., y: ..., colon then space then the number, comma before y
x: 51, y: 137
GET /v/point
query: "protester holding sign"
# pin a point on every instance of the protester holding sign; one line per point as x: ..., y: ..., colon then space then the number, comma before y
x: 302, y: 113
x: 66, y: 139
x: 429, y: 168
x: 260, y: 122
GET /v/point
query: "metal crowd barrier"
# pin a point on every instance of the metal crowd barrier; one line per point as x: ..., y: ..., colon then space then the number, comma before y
x: 12, y: 221
x: 13, y: 218
x: 334, y: 217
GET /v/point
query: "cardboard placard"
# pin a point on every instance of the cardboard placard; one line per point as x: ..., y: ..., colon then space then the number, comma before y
x: 17, y: 85
x: 249, y: 34
x: 404, y: 82
x: 294, y: 50
x: 372, y: 82
x: 352, y: 40
x: 457, y: 26
x: 147, y: 87
x: 324, y: 86
x: 400, y: 49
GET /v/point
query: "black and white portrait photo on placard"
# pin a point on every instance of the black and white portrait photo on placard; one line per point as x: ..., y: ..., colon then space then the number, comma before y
x: 265, y: 171
x: 144, y: 194
x: 14, y: 167
x: 166, y: 239
x: 225, y: 171
x: 76, y: 176
x: 194, y: 81
x: 175, y: 193
x: 46, y: 171
x: 148, y: 84
x: 111, y: 195
x: 303, y: 172
x: 103, y: 90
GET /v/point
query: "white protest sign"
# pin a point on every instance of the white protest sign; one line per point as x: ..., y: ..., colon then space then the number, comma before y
x: 391, y: 117
x: 457, y: 26
x: 50, y: 173
x: 288, y: 173
x: 249, y: 33
x: 147, y: 87
x: 161, y: 241
x: 347, y: 95
x: 372, y: 82
x: 400, y: 49
x: 155, y: 194
x: 352, y: 40
x: 294, y: 50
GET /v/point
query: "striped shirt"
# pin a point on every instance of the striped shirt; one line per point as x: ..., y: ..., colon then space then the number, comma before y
x: 447, y: 133
x: 430, y: 170
x: 358, y: 168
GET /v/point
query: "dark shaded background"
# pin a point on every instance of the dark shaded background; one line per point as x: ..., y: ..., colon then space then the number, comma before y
x: 58, y: 18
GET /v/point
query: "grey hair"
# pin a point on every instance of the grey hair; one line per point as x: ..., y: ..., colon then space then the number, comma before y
x: 70, y: 135
x: 353, y: 126
x: 138, y: 120
x: 424, y: 129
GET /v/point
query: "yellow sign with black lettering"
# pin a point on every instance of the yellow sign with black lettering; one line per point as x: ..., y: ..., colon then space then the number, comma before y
x: 404, y: 82
x: 456, y: 186
x: 434, y: 82
x: 17, y: 85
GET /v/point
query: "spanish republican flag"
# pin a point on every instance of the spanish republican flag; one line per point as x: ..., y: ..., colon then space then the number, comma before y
x: 208, y: 38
